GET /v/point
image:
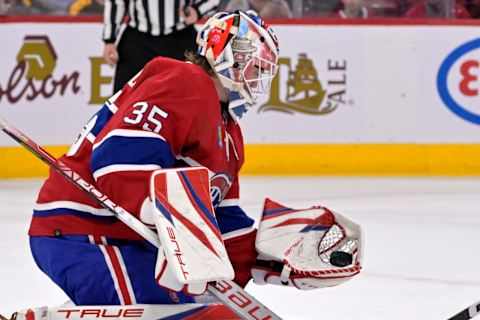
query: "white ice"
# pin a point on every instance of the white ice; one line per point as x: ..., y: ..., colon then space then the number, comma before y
x: 422, y: 241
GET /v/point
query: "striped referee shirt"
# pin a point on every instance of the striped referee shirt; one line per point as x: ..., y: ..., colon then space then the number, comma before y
x: 156, y: 17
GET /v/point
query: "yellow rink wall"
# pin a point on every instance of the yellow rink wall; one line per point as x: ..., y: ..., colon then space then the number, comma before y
x: 310, y: 159
x: 364, y: 159
x: 18, y: 162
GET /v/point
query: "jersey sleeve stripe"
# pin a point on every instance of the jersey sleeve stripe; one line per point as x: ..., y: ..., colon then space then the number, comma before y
x: 228, y: 203
x: 103, y: 116
x: 124, y: 167
x: 128, y: 133
x: 71, y: 205
x: 121, y: 150
x: 66, y: 211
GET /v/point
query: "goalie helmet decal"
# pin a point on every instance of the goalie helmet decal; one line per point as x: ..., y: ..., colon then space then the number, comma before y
x: 243, y: 50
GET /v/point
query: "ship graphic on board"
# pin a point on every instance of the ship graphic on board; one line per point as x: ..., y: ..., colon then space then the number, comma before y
x: 304, y: 92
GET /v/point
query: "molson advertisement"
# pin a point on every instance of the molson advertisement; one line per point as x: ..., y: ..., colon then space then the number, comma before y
x: 33, y: 76
x: 51, y: 82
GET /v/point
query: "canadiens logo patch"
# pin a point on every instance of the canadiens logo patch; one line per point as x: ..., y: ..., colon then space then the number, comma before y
x: 220, y: 184
x: 174, y: 296
x: 216, y: 38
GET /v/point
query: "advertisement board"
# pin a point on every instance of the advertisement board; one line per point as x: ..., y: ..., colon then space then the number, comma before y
x: 369, y: 88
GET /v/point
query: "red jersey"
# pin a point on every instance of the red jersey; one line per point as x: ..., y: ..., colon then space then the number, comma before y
x: 169, y: 115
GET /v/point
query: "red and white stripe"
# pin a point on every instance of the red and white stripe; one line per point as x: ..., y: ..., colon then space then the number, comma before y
x: 118, y: 270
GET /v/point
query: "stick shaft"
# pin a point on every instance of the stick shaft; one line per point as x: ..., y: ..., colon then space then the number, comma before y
x: 228, y: 292
x: 467, y: 313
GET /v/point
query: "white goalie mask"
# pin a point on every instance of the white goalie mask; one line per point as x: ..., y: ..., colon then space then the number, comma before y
x: 243, y: 50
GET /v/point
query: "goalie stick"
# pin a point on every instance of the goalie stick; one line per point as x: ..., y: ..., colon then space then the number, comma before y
x: 211, y: 311
x: 226, y: 291
x: 467, y: 313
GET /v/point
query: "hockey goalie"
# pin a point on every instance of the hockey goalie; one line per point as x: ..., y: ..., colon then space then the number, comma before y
x: 168, y: 148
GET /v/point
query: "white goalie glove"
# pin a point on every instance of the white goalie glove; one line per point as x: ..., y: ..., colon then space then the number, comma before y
x: 307, y: 249
x: 192, y: 252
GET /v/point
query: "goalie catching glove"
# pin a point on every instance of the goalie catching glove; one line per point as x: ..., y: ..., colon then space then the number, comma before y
x: 308, y: 249
x: 192, y: 252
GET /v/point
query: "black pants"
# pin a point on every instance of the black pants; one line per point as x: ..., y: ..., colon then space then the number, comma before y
x: 136, y: 48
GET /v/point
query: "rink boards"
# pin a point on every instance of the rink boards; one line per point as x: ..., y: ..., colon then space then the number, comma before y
x: 349, y: 99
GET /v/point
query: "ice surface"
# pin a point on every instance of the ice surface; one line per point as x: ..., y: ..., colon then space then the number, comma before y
x: 421, y: 248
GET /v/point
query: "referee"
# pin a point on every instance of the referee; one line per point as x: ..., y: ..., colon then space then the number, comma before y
x: 155, y: 28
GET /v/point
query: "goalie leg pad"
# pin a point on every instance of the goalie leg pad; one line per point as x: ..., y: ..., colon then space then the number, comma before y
x: 192, y: 245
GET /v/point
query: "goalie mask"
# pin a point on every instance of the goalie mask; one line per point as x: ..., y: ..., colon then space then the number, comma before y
x: 243, y: 50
